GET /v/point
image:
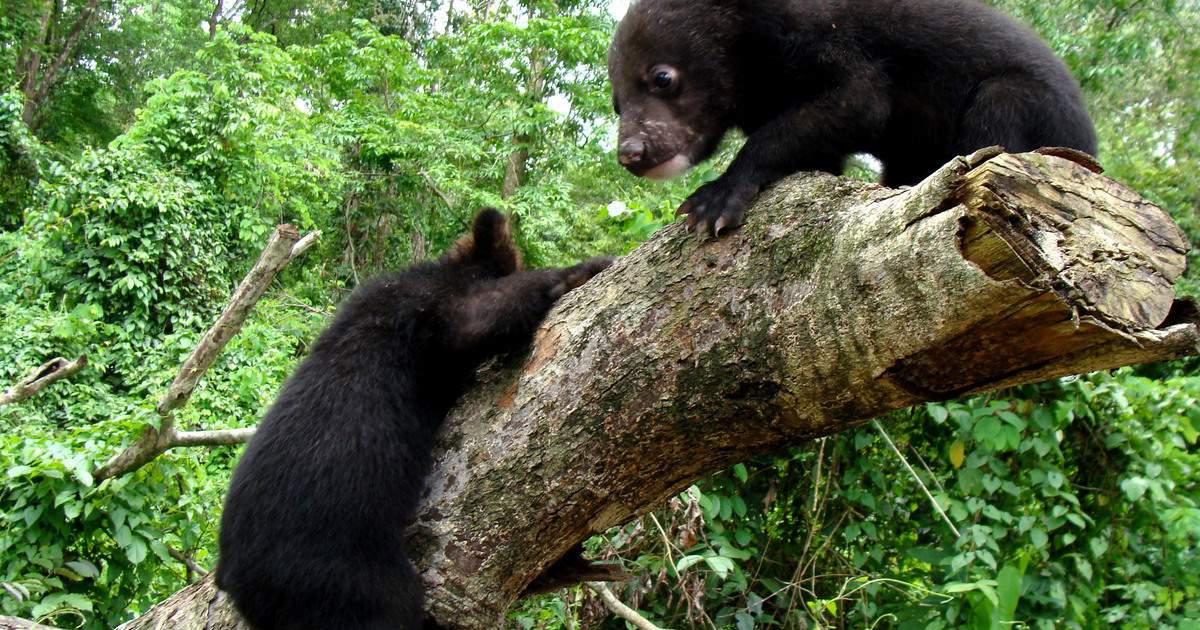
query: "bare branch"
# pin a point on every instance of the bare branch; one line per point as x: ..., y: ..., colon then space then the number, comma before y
x: 929, y: 495
x: 223, y: 437
x: 436, y: 190
x: 276, y: 255
x: 283, y: 246
x: 16, y: 623
x: 303, y: 244
x: 37, y: 87
x: 49, y: 372
x: 187, y: 562
x: 619, y: 609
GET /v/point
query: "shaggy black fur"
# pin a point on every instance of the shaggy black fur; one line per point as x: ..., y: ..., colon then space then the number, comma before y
x: 912, y: 82
x: 312, y: 532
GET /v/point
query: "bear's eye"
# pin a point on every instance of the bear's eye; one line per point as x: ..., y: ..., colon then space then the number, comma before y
x: 663, y: 78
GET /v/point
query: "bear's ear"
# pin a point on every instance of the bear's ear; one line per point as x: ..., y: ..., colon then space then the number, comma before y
x: 490, y: 241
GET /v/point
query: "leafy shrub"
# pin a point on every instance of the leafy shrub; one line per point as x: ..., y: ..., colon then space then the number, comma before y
x: 1076, y: 505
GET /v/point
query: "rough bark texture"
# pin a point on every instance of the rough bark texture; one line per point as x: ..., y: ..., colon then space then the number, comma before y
x: 837, y: 302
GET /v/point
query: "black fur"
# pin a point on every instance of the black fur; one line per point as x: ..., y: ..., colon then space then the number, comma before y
x: 912, y: 82
x: 312, y: 532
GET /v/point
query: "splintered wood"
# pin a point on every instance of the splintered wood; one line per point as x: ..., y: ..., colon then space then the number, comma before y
x: 1097, y: 259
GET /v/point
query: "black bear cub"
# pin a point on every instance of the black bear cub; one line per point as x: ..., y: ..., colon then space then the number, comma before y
x: 912, y: 82
x: 312, y: 533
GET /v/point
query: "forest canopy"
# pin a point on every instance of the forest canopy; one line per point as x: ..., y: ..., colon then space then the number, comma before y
x: 148, y: 148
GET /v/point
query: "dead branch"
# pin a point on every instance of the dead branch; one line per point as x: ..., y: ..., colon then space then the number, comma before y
x: 283, y: 246
x: 49, y: 372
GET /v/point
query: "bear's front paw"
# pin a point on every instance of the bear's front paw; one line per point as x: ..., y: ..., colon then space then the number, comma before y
x: 718, y: 205
x: 573, y: 277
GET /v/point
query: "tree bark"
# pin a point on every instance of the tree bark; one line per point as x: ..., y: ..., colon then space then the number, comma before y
x: 53, y: 370
x: 837, y: 302
x: 38, y: 83
x: 518, y: 159
x: 14, y: 623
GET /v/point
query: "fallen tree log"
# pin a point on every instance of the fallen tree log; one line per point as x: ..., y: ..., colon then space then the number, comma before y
x: 837, y: 302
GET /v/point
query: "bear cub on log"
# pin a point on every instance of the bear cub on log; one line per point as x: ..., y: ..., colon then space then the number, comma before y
x: 912, y: 82
x: 312, y: 536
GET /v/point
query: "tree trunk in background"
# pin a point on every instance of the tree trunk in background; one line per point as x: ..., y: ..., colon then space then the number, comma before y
x: 516, y: 165
x: 42, y: 64
x: 837, y: 302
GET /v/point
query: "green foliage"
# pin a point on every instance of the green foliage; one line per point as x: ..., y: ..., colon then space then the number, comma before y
x: 17, y: 167
x: 545, y: 612
x: 1077, y: 506
x: 174, y: 139
x: 130, y: 237
x: 425, y: 159
x: 236, y: 130
x: 73, y: 552
x: 77, y: 543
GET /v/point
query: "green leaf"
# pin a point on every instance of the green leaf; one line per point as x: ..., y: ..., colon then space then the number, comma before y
x: 60, y: 601
x: 719, y: 564
x: 987, y: 429
x: 737, y: 554
x: 83, y: 568
x: 32, y: 513
x: 72, y: 509
x: 1054, y: 478
x: 137, y: 550
x: 123, y: 536
x: 1085, y: 568
x: 18, y: 471
x: 686, y: 562
x: 1008, y: 592
x: 1134, y: 487
x: 84, y: 476
x: 741, y: 473
x: 1038, y: 537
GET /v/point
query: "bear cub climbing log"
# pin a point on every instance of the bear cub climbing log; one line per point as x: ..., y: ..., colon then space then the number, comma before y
x: 312, y: 533
x: 912, y: 82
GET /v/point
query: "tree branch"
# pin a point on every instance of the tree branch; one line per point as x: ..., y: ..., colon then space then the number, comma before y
x: 37, y: 86
x: 187, y: 562
x: 16, y: 623
x: 283, y: 246
x: 619, y: 609
x: 68, y: 45
x: 929, y: 495
x: 436, y: 190
x: 223, y: 437
x: 837, y: 302
x: 49, y: 372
